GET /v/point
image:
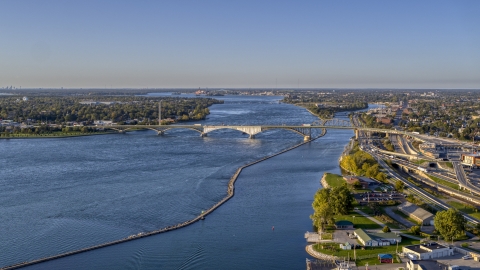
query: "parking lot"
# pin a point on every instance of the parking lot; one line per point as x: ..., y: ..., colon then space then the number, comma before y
x: 457, y: 260
x: 340, y: 236
x: 375, y: 196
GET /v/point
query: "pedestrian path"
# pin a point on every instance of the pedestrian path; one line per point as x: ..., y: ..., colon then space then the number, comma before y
x: 319, y: 255
x: 370, y: 217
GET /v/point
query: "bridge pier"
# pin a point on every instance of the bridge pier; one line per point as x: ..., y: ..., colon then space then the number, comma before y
x: 356, y: 133
x: 203, y: 135
x: 306, y: 138
x: 251, y: 136
x: 160, y: 133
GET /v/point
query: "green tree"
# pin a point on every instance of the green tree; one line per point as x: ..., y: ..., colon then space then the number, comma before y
x: 341, y: 200
x: 399, y: 186
x: 386, y: 229
x: 415, y: 230
x: 322, y: 210
x: 450, y: 224
x: 356, y: 184
x: 381, y: 176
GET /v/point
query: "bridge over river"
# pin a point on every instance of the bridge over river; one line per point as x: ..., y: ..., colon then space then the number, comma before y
x: 252, y: 130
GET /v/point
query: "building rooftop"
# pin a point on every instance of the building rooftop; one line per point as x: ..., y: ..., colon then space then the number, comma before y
x: 427, y: 265
x: 385, y: 256
x: 425, y: 248
x: 471, y: 155
x: 411, y: 209
x: 386, y: 236
x: 362, y: 234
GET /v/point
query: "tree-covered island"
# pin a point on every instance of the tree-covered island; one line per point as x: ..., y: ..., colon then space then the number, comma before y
x: 46, y: 114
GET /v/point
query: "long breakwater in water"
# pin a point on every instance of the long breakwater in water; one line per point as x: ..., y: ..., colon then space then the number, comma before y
x: 230, y: 194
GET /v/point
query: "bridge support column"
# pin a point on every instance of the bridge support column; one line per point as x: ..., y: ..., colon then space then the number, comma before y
x: 252, y: 136
x: 306, y: 138
x: 387, y: 135
x: 160, y: 133
x: 203, y: 135
x: 356, y: 134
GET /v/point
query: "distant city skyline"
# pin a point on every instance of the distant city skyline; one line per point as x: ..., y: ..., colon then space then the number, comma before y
x: 240, y: 44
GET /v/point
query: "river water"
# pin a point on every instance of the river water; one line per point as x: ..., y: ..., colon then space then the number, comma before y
x: 59, y: 195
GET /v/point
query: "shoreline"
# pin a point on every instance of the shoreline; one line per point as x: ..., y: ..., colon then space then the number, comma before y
x: 59, y: 136
x: 230, y: 194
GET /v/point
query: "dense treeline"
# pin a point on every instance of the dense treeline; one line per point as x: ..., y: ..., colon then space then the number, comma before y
x: 388, y: 145
x: 362, y: 164
x: 46, y: 130
x: 329, y: 202
x: 371, y: 121
x: 328, y: 112
x: 61, y: 109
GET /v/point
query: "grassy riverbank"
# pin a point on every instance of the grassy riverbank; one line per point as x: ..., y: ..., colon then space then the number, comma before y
x: 334, y: 180
x: 372, y: 252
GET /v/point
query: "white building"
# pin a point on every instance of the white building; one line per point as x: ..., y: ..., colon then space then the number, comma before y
x: 103, y: 122
x: 427, y: 251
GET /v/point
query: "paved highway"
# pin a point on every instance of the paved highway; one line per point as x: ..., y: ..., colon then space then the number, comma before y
x: 419, y: 192
x: 462, y: 177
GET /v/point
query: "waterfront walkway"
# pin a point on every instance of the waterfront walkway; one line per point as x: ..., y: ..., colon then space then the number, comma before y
x: 319, y: 255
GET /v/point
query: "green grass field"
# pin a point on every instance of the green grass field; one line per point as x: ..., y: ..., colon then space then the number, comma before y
x: 465, y: 208
x: 443, y: 182
x: 419, y: 161
x: 360, y: 222
x: 336, y: 251
x: 449, y: 164
x: 334, y: 180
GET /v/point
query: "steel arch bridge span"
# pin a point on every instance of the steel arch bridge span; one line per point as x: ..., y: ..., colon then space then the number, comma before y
x: 254, y: 130
x: 161, y: 130
x: 336, y: 123
x: 302, y: 131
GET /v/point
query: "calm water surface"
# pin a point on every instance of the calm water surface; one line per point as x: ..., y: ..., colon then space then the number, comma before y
x: 59, y: 195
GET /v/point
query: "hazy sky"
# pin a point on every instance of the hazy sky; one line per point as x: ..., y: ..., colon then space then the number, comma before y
x: 227, y: 43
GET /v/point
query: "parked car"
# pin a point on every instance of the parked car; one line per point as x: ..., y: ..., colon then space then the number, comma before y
x: 467, y: 257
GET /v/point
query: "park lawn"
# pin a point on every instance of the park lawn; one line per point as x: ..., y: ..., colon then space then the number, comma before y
x: 367, y: 210
x: 389, y: 224
x: 368, y: 251
x: 360, y: 221
x: 443, y: 182
x: 420, y: 161
x: 465, y: 208
x: 448, y: 164
x: 334, y: 180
